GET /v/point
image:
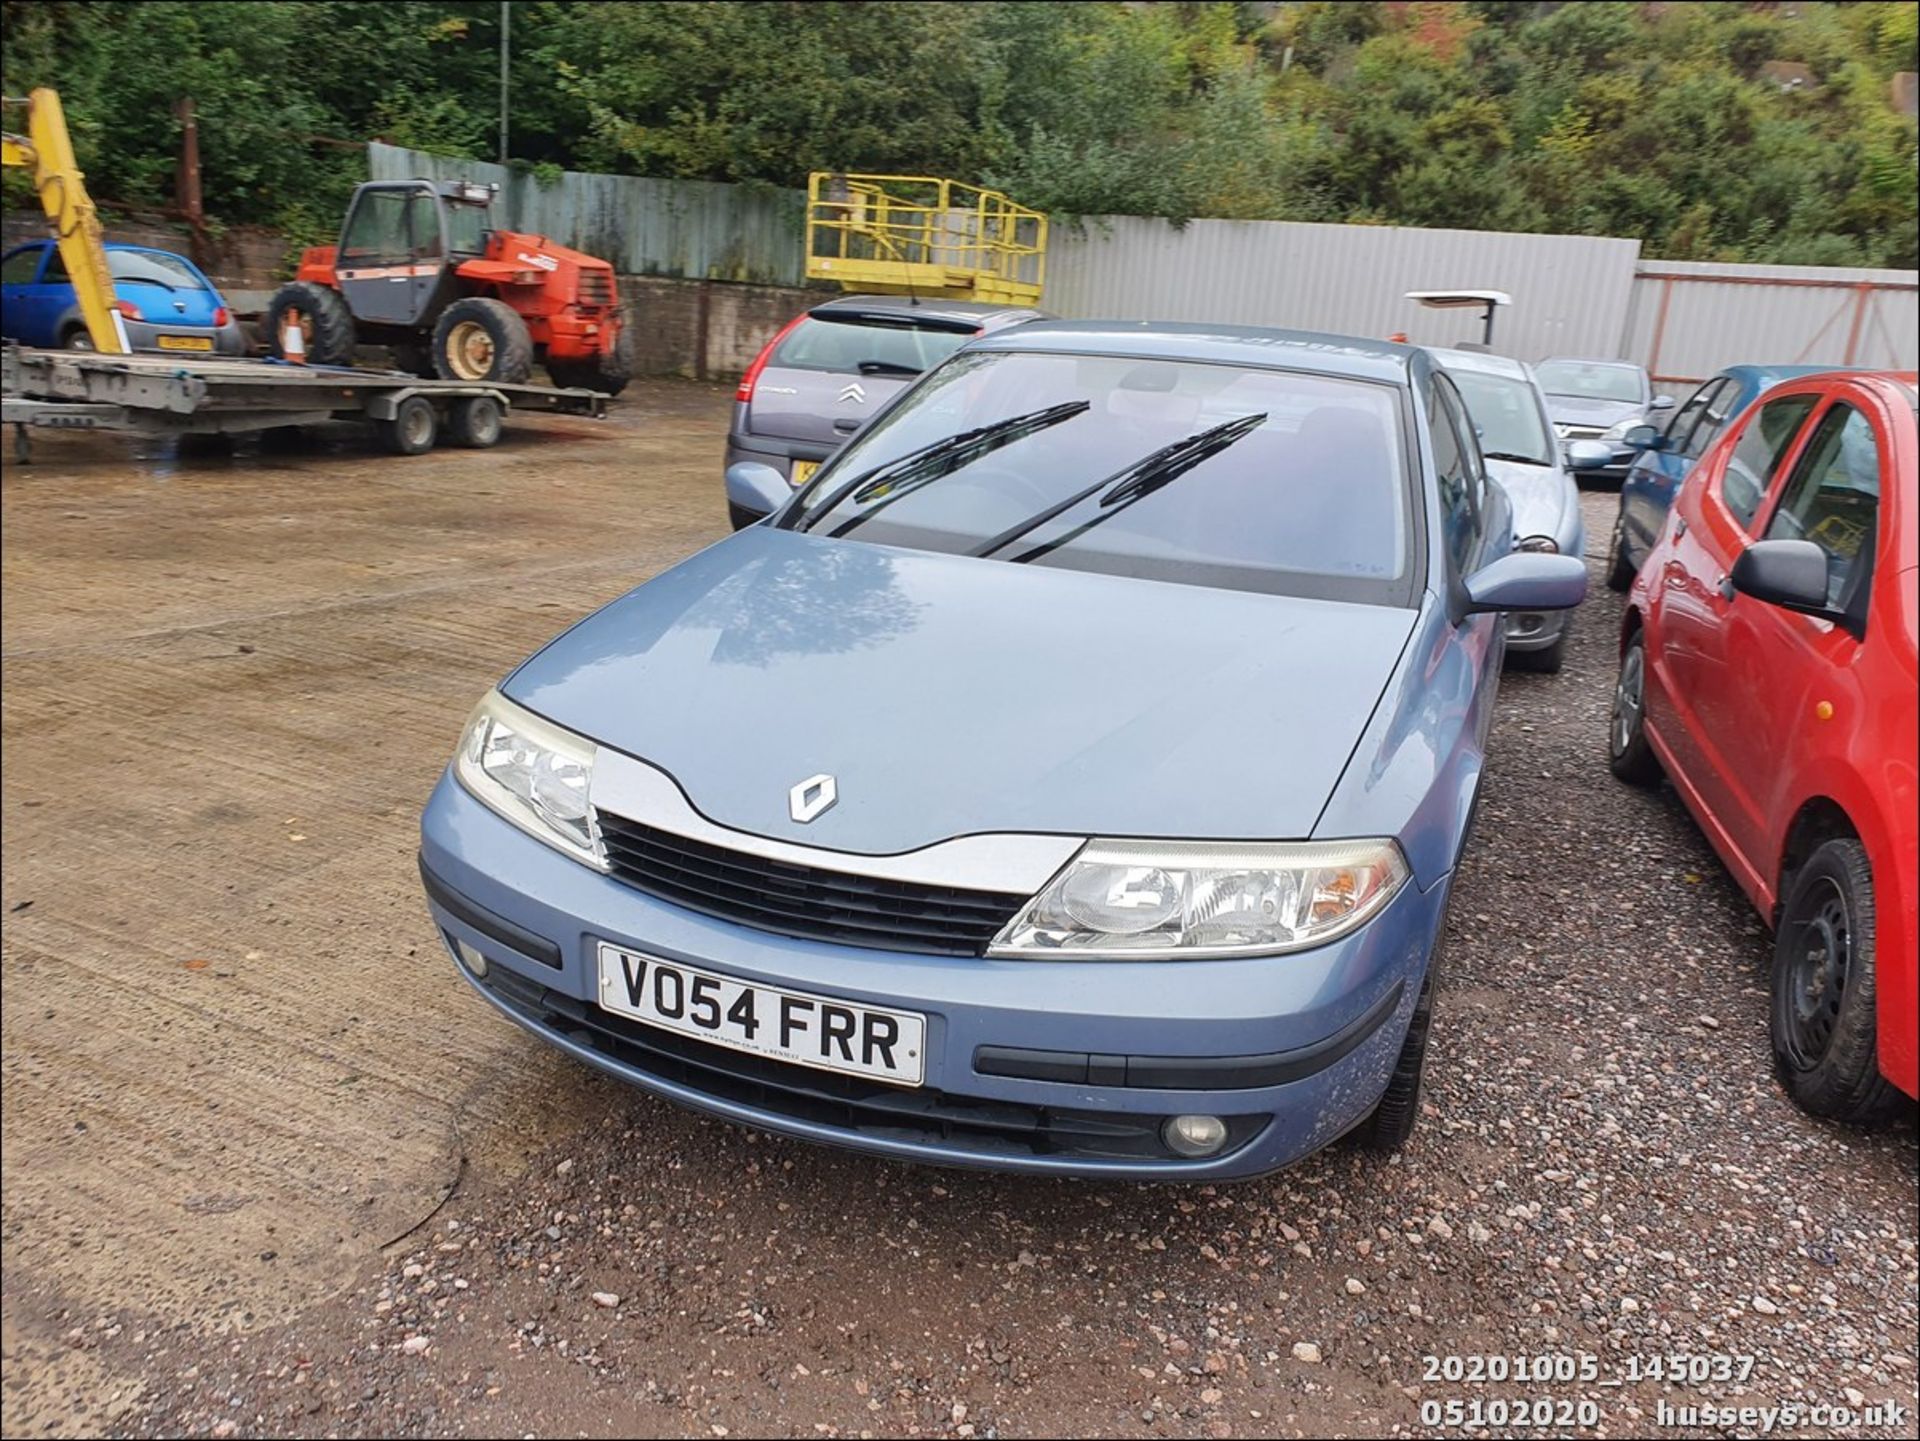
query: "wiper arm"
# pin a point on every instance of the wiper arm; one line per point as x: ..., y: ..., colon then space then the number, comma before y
x: 1514, y: 456
x: 1127, y: 487
x: 902, y: 476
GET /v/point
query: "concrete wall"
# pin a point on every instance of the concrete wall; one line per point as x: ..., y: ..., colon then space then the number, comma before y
x: 706, y: 329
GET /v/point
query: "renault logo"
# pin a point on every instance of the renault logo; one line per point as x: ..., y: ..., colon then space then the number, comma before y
x: 814, y: 796
x: 853, y: 395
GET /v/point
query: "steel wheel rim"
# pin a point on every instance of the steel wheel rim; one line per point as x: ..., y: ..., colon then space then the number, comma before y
x: 470, y: 350
x: 416, y: 424
x: 1820, y: 959
x: 80, y: 341
x: 1629, y: 698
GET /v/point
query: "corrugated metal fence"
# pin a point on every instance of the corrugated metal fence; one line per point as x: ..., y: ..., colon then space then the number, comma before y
x: 1687, y: 319
x: 1569, y: 291
x: 698, y: 229
x: 1572, y: 294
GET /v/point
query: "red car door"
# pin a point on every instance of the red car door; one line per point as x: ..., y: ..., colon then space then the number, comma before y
x: 1791, y: 675
x: 1696, y: 697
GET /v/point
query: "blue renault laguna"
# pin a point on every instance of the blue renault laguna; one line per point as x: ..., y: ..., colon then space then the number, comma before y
x: 1069, y: 778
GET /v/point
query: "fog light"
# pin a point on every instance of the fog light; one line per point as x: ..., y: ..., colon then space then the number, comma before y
x: 1194, y: 1135
x: 472, y: 959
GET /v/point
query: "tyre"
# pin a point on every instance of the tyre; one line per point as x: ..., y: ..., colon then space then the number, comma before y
x: 1387, y: 1129
x: 325, y: 323
x: 475, y: 422
x: 1629, y: 755
x: 76, y: 339
x: 1620, y: 571
x: 1824, y: 1017
x: 414, y: 427
x: 1546, y: 661
x: 607, y: 374
x: 480, y: 339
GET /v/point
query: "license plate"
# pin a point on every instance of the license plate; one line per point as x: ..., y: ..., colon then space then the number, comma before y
x: 184, y: 342
x: 803, y: 472
x: 796, y: 1026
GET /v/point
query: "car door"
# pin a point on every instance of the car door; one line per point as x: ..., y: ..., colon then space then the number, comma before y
x: 1694, y: 700
x: 1781, y: 665
x: 30, y: 302
x: 1476, y: 526
x: 1654, y: 481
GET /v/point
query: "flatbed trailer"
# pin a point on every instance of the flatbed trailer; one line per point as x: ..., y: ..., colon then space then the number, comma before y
x: 154, y: 394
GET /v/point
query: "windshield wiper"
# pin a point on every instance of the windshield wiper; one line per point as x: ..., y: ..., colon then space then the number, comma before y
x: 886, y: 483
x: 1514, y: 455
x: 1126, y: 487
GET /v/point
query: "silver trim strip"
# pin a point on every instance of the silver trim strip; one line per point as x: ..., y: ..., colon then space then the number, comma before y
x: 1003, y: 861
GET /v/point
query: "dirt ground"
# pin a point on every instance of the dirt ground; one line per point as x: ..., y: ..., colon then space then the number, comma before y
x: 270, y: 1168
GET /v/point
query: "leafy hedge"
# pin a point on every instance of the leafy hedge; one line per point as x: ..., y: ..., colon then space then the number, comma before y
x: 1677, y: 123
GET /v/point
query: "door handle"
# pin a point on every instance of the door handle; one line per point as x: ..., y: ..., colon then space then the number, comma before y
x: 846, y: 427
x: 1679, y: 526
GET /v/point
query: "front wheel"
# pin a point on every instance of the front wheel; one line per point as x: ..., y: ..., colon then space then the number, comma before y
x: 1824, y: 1016
x: 1620, y: 571
x: 1629, y: 755
x: 317, y: 316
x: 1391, y: 1123
x: 478, y: 339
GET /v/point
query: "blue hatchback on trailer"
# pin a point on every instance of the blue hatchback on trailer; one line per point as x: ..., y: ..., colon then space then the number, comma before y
x: 1070, y: 777
x: 165, y: 302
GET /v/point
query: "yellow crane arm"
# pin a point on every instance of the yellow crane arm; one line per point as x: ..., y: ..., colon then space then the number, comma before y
x: 47, y: 150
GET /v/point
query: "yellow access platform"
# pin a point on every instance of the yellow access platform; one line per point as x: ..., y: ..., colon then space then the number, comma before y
x: 921, y: 235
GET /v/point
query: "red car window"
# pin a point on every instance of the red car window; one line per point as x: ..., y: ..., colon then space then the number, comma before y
x: 1833, y: 496
x: 1764, y: 443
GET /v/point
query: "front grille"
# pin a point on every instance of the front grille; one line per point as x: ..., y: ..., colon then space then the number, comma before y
x: 596, y: 287
x: 867, y: 1109
x: 807, y: 901
x: 1582, y: 432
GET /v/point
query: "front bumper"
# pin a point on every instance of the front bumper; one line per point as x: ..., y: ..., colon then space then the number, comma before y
x: 1529, y: 630
x: 1328, y: 1023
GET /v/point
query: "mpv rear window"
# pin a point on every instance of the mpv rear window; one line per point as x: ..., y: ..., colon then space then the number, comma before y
x: 855, y: 345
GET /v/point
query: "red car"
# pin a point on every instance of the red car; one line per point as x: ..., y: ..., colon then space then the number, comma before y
x: 1767, y: 667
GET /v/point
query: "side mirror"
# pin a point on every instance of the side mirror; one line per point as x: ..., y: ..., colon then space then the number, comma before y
x: 1661, y: 402
x: 1527, y: 580
x: 1589, y: 454
x: 1644, y: 437
x: 755, y: 490
x: 1791, y: 574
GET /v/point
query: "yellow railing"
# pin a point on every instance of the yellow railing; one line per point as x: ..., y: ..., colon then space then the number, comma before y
x: 921, y: 235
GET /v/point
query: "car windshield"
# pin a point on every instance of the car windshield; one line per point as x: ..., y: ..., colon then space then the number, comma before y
x: 1301, y: 487
x: 152, y: 268
x: 1507, y: 416
x: 1591, y: 380
x: 857, y: 345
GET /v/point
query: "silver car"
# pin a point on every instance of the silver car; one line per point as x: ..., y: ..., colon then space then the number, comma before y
x: 832, y: 368
x: 1509, y: 410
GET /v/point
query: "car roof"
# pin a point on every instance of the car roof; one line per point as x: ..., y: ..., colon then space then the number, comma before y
x: 1349, y: 356
x: 970, y: 313
x: 1483, y: 361
x: 1592, y: 360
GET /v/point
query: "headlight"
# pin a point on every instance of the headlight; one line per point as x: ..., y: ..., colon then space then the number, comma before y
x: 533, y: 773
x: 1545, y: 544
x: 1166, y: 899
x: 1619, y: 432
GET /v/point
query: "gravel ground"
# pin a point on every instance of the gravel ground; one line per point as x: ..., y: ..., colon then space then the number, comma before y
x: 1604, y: 1169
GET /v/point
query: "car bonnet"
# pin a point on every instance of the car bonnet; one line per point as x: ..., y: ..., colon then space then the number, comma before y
x: 951, y: 696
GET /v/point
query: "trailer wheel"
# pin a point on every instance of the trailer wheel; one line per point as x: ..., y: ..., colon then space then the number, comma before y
x: 413, y: 428
x: 475, y: 422
x: 478, y: 339
x: 320, y: 314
